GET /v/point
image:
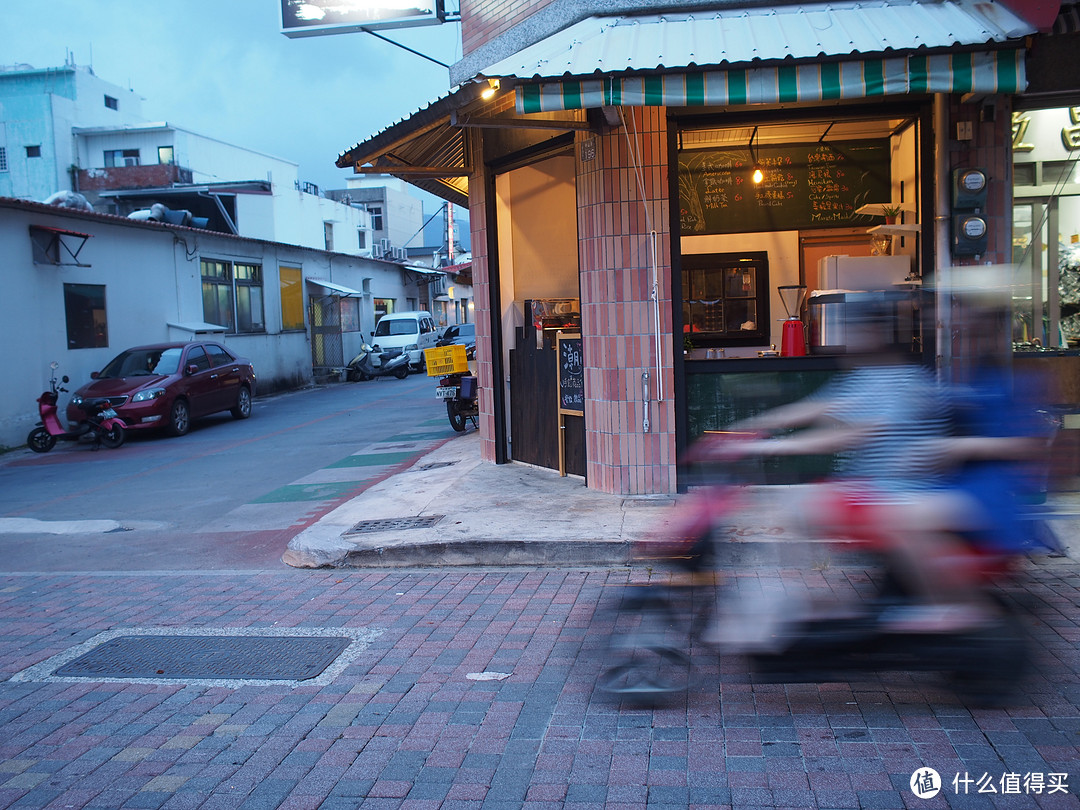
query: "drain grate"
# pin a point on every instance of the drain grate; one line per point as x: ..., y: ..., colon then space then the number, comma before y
x: 395, y: 524
x: 436, y: 465
x: 292, y: 658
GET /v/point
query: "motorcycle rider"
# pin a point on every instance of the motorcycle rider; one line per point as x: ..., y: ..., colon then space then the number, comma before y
x: 893, y: 425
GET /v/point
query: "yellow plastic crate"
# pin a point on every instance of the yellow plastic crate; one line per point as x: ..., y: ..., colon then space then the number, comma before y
x: 446, y: 360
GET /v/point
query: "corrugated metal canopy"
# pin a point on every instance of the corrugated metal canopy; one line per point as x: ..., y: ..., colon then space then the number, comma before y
x: 990, y: 72
x: 744, y: 35
x: 812, y: 51
x: 424, y: 148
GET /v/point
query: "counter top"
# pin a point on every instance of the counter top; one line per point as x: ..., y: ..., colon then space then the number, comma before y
x: 810, y: 362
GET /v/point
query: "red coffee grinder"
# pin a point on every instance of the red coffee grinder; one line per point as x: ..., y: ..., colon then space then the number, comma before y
x: 793, y: 338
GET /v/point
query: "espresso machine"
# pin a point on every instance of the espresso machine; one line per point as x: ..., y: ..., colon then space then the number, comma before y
x: 793, y: 337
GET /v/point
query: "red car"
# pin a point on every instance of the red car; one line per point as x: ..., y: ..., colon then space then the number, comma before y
x: 166, y: 385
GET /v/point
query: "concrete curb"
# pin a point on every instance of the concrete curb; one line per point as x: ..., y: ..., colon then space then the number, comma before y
x: 490, y: 515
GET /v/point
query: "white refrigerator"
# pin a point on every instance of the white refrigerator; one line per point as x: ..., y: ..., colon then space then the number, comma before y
x: 862, y: 272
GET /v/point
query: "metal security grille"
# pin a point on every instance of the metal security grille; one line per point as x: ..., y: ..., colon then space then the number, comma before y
x: 395, y: 524
x: 326, y: 348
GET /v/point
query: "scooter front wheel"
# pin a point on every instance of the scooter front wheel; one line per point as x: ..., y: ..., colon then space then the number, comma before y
x: 40, y: 440
x: 402, y: 372
x: 114, y: 436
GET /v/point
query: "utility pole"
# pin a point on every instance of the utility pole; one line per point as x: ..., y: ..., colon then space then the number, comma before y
x: 450, y: 233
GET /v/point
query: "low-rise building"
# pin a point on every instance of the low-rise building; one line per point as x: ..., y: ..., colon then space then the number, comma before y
x: 82, y: 286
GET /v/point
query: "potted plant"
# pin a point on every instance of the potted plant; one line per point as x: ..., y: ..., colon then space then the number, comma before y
x: 890, y: 212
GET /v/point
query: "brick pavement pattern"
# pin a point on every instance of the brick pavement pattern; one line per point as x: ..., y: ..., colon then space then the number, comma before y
x: 404, y: 726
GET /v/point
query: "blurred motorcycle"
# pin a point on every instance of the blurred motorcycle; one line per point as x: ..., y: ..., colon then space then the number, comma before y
x: 793, y: 640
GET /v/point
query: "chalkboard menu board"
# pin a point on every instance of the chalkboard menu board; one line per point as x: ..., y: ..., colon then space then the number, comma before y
x: 816, y: 185
x: 571, y: 374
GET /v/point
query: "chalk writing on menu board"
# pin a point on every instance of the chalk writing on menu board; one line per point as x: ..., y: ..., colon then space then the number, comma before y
x: 571, y: 374
x: 815, y: 185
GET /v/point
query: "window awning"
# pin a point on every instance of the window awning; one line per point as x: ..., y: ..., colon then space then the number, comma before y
x: 986, y: 73
x: 57, y: 245
x: 198, y: 327
x: 336, y: 289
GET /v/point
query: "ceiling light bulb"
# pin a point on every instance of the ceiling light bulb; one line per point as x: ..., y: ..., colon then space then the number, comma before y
x: 490, y: 90
x: 758, y: 176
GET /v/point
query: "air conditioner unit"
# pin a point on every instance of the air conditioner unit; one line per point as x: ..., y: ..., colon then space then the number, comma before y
x: 131, y: 161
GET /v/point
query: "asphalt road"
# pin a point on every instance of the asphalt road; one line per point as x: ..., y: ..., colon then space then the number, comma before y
x: 229, y: 495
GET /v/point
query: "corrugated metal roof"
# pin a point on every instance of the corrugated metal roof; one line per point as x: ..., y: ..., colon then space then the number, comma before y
x: 733, y: 36
x: 425, y: 137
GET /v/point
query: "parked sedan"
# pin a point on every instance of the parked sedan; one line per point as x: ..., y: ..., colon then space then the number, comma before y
x: 166, y: 385
x: 462, y: 334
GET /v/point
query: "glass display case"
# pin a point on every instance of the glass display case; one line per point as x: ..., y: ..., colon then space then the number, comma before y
x: 725, y: 299
x: 545, y: 317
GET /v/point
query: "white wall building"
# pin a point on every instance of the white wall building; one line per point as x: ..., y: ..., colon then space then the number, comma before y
x: 38, y: 110
x: 397, y: 217
x: 240, y: 190
x: 83, y: 286
x: 64, y: 129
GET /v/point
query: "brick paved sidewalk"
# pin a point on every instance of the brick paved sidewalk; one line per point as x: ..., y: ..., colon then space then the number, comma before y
x: 404, y: 725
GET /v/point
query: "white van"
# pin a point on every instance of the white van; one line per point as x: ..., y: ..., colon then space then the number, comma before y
x: 410, y: 332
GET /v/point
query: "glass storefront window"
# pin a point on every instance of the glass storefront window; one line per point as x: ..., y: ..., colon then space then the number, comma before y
x: 1046, y: 228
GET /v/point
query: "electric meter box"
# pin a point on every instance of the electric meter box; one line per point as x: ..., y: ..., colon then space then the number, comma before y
x: 969, y: 190
x: 969, y: 235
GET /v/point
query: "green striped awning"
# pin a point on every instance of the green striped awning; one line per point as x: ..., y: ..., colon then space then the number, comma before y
x: 988, y: 72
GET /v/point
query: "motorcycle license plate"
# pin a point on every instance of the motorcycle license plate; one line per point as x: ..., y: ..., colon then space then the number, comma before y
x: 108, y: 413
x: 447, y: 392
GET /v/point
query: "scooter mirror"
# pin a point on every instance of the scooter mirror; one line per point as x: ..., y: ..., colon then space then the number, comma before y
x: 64, y: 379
x: 54, y: 365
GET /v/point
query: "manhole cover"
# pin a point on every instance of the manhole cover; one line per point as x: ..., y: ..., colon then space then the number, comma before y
x: 273, y: 658
x: 395, y: 524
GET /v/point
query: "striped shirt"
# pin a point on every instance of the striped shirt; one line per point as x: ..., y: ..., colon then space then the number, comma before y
x: 905, y: 415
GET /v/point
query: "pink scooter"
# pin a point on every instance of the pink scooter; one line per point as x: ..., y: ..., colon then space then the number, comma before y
x: 100, y: 421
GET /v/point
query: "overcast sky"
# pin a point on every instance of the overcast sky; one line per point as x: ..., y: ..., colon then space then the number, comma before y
x: 222, y: 68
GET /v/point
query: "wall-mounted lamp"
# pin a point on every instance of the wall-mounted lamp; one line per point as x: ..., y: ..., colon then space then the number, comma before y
x: 490, y: 91
x: 758, y: 175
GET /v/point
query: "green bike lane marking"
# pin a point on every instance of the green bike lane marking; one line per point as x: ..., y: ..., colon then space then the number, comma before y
x: 334, y: 490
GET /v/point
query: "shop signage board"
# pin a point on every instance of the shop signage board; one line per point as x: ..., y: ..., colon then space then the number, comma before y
x: 312, y: 18
x: 818, y: 185
x: 570, y: 376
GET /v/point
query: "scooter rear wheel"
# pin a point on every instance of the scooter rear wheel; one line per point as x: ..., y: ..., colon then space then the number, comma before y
x: 40, y: 440
x: 457, y: 418
x: 114, y: 437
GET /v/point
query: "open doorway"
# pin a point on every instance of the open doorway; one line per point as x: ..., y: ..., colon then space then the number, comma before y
x: 539, y: 292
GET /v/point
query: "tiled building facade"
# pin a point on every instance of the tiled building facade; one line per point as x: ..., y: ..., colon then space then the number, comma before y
x: 629, y: 243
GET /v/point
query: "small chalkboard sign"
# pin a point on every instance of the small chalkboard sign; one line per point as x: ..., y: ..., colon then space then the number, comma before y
x: 571, y: 374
